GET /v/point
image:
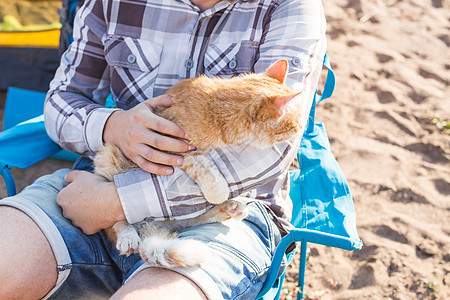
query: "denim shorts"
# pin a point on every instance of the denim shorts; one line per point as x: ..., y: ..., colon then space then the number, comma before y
x: 90, y: 267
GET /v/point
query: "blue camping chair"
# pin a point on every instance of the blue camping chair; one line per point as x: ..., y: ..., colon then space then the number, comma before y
x: 323, y: 207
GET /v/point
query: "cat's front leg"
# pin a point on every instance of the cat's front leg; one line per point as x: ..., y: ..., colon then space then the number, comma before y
x: 235, y: 209
x: 208, y: 177
x: 128, y: 239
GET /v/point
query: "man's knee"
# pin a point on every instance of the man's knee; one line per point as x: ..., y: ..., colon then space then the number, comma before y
x: 27, y: 264
x: 155, y: 283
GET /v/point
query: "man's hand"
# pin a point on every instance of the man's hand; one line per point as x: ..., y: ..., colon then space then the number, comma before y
x: 90, y: 202
x: 144, y: 137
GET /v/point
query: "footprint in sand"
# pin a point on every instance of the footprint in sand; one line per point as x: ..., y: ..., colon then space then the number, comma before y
x: 418, y: 96
x: 429, y: 73
x: 374, y: 272
x: 405, y: 125
x: 437, y: 3
x: 429, y: 152
x: 445, y: 38
x: 364, y: 277
x: 353, y: 43
x: 427, y: 248
x: 406, y: 195
x: 365, y: 252
x: 389, y: 233
x: 442, y: 186
x: 384, y: 58
x: 335, y: 32
x: 385, y: 97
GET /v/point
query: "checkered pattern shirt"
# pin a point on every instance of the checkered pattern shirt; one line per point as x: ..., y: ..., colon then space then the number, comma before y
x: 136, y: 49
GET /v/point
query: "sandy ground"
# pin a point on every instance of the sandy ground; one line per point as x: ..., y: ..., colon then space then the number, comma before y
x: 391, y: 60
x: 392, y: 64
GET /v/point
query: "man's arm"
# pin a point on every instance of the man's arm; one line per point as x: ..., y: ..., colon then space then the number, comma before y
x: 74, y: 108
x: 296, y: 32
x: 74, y: 114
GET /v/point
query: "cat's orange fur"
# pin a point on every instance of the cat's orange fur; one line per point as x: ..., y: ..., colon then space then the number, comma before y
x: 251, y: 109
x: 214, y: 111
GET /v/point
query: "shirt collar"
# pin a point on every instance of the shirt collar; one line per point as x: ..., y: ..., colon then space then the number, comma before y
x: 219, y: 6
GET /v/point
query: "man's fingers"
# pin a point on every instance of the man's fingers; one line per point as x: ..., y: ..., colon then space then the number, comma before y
x: 162, y: 100
x: 159, y: 124
x: 70, y: 176
x: 153, y: 168
x: 159, y: 157
x: 160, y: 141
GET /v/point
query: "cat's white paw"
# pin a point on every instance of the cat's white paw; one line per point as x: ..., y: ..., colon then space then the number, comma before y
x: 128, y: 242
x: 235, y: 210
x: 217, y: 191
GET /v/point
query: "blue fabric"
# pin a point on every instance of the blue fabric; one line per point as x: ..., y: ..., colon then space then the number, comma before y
x: 16, y: 100
x: 330, y: 83
x: 319, y: 190
x: 26, y: 143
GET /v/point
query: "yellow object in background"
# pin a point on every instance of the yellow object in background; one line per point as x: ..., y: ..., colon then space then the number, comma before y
x: 29, y: 23
x: 13, y: 34
x: 39, y: 39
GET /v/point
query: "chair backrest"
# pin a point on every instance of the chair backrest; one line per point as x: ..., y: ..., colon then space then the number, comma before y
x: 14, y: 113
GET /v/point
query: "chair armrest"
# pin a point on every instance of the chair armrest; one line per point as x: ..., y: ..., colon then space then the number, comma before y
x: 304, y: 235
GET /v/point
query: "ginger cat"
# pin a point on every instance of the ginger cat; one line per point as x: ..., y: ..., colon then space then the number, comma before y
x: 251, y: 109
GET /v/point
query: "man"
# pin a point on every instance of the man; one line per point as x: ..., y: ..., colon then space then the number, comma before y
x: 50, y: 241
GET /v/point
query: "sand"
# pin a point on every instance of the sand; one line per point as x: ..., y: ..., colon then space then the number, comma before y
x: 391, y: 60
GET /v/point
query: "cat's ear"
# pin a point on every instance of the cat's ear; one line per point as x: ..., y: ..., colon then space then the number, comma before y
x: 278, y: 70
x: 281, y: 102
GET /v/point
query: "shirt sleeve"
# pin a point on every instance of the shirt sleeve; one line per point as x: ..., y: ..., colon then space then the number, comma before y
x: 296, y: 32
x: 74, y: 107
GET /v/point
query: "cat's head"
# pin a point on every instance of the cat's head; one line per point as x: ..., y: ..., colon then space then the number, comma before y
x: 272, y: 111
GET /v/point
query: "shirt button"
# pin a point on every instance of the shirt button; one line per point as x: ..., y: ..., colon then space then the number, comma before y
x: 296, y: 61
x: 189, y: 63
x: 232, y: 64
x: 131, y: 58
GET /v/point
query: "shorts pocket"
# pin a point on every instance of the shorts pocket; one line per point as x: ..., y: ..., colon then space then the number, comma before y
x: 230, y: 59
x: 134, y: 65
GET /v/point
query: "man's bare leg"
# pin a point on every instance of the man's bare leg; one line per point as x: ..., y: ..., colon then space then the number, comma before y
x: 155, y: 283
x: 27, y: 264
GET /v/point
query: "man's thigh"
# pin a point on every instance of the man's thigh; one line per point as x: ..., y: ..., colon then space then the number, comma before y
x: 87, y: 267
x: 156, y: 283
x: 27, y: 264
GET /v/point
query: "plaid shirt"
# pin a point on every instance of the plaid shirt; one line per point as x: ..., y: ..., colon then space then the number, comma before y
x: 136, y: 49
